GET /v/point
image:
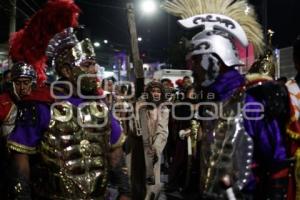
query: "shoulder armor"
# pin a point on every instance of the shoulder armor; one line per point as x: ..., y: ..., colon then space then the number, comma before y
x: 74, y: 150
x: 62, y: 111
x: 8, y: 123
x: 93, y: 115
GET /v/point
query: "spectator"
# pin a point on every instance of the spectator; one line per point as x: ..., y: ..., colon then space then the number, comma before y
x: 187, y: 81
x: 6, y: 81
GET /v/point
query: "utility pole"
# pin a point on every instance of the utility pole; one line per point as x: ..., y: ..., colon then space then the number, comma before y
x: 169, y: 43
x: 137, y: 62
x: 12, y: 23
x: 128, y: 68
x: 12, y: 20
x: 119, y: 65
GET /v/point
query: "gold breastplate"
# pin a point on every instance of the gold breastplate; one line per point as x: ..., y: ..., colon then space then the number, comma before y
x: 74, y: 150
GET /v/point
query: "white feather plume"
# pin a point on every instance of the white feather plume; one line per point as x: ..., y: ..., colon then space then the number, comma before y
x: 239, y: 10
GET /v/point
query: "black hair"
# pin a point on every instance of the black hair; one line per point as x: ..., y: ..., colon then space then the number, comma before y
x: 123, y: 89
x: 165, y: 80
x: 6, y: 72
x: 59, y: 68
x: 282, y: 79
x: 186, y: 77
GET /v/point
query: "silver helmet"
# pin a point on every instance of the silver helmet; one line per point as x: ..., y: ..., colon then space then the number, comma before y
x: 225, y: 24
x: 217, y: 42
x: 67, y: 48
x: 23, y: 70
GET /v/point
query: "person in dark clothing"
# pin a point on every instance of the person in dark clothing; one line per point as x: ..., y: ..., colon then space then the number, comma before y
x: 282, y: 80
x: 182, y: 166
x: 6, y: 82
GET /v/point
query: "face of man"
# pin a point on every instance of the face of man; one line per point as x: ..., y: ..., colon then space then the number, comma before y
x: 187, y: 81
x: 206, y: 68
x: 89, y: 66
x: 167, y: 84
x: 156, y: 94
x: 86, y: 73
x: 66, y: 72
x: 191, y: 94
x: 198, y: 71
x: 22, y: 86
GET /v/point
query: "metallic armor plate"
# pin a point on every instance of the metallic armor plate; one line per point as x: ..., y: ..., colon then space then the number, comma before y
x: 207, y: 42
x: 9, y: 123
x: 226, y: 150
x: 75, y: 158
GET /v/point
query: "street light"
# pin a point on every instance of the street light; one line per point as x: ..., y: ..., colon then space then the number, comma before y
x: 149, y: 7
x: 140, y: 39
x: 105, y: 41
x: 96, y: 44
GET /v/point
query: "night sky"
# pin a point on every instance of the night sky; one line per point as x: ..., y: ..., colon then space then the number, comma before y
x: 107, y: 20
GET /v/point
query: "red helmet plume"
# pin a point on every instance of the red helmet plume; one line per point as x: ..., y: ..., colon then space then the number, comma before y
x: 29, y: 44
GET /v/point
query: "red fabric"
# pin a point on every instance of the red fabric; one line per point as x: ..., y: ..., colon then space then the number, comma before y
x: 41, y: 94
x: 281, y: 174
x: 179, y: 82
x: 295, y: 127
x: 100, y: 91
x: 291, y: 193
x: 293, y: 145
x: 5, y: 105
x: 246, y: 54
x: 29, y: 44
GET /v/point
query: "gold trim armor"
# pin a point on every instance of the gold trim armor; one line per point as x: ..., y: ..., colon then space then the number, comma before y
x: 120, y: 142
x: 21, y: 148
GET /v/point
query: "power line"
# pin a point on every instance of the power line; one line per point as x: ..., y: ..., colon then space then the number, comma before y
x: 107, y: 20
x: 113, y: 25
x: 35, y: 4
x: 19, y: 9
x: 24, y: 1
x: 23, y: 13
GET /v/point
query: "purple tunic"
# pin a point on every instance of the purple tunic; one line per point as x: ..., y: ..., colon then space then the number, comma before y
x: 268, y: 139
x: 269, y: 147
x: 26, y: 136
x: 116, y: 130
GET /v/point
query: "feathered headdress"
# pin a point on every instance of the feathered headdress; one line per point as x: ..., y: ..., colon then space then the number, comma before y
x: 234, y: 16
x: 29, y: 44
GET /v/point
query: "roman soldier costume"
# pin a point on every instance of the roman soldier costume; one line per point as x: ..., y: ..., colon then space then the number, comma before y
x: 71, y: 134
x: 243, y: 127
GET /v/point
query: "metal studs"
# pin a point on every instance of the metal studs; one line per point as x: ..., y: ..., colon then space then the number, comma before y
x: 18, y: 188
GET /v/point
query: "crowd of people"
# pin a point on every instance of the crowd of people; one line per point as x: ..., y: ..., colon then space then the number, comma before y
x: 218, y: 135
